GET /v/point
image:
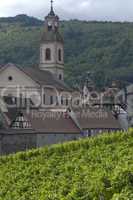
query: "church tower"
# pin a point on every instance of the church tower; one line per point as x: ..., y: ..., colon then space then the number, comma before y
x: 52, y: 46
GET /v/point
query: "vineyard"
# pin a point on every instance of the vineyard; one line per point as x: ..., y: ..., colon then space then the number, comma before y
x: 99, y: 168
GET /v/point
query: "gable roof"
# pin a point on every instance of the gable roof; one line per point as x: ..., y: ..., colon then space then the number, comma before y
x: 60, y: 122
x: 45, y: 121
x: 52, y: 122
x: 42, y: 77
x: 12, y: 68
x: 96, y: 119
x: 45, y: 78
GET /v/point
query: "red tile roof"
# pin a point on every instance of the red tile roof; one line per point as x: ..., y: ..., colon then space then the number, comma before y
x: 52, y: 122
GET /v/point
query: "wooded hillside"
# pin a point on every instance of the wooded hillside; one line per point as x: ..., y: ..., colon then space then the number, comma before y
x: 103, y: 48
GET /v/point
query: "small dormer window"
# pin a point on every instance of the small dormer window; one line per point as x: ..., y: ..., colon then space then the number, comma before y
x: 20, y: 122
x: 48, y: 54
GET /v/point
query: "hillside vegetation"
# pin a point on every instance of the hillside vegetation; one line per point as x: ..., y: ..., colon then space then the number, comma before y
x: 103, y: 48
x: 99, y: 168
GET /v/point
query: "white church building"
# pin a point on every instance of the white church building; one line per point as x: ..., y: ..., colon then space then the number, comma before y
x: 47, y: 78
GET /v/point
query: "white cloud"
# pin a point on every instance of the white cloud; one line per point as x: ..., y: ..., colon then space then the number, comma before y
x: 115, y: 10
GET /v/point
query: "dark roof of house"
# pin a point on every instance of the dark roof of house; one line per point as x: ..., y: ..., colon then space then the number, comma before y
x: 52, y: 37
x: 45, y: 121
x: 96, y: 119
x: 59, y: 122
x: 52, y: 122
x: 45, y: 78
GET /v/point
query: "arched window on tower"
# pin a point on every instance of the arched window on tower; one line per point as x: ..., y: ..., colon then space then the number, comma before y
x: 59, y: 55
x: 48, y: 54
x: 60, y: 76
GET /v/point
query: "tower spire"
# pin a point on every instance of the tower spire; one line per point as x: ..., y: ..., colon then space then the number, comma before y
x: 52, y: 46
x: 52, y: 4
x: 52, y: 10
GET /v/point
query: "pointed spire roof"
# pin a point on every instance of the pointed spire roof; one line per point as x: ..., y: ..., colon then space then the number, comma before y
x: 52, y: 10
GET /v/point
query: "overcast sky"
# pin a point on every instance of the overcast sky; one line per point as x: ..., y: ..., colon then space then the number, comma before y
x: 112, y: 10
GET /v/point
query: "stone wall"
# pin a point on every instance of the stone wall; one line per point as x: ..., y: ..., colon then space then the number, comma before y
x: 12, y: 143
x: 48, y: 139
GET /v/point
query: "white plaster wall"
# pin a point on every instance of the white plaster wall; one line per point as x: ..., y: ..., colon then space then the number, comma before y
x: 43, y: 50
x: 19, y: 78
x: 54, y: 46
x: 56, y: 97
x: 60, y: 46
x: 54, y: 65
x: 20, y: 83
x: 24, y: 85
x: 48, y: 93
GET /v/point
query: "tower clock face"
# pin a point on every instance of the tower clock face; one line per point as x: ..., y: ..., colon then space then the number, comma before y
x: 49, y: 23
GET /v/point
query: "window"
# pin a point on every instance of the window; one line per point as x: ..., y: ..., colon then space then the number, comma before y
x: 57, y: 100
x: 59, y: 55
x: 10, y: 100
x: 48, y: 54
x: 10, y: 78
x: 67, y: 102
x: 49, y: 27
x: 44, y: 99
x: 60, y: 77
x: 51, y: 100
x: 62, y: 100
